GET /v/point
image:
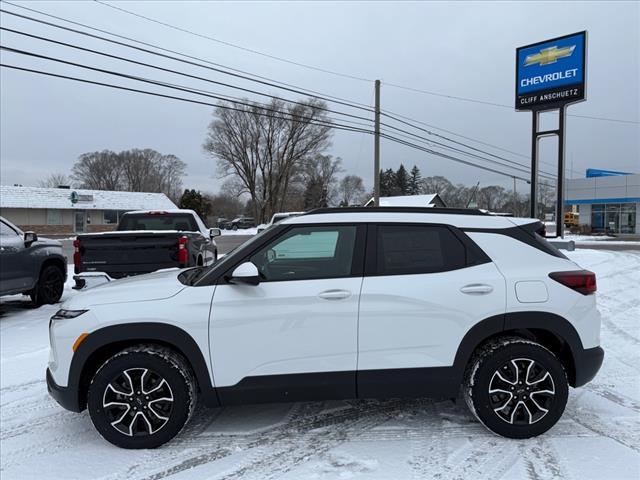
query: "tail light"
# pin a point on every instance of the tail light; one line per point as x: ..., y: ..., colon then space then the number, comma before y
x: 183, y: 254
x: 582, y: 281
x: 76, y: 256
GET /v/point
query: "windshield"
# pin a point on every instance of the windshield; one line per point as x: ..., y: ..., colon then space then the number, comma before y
x: 158, y: 221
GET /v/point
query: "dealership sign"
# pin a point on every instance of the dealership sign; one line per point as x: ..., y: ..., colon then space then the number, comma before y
x: 551, y: 73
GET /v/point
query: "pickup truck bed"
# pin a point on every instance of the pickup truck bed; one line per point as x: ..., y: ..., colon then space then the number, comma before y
x: 176, y: 238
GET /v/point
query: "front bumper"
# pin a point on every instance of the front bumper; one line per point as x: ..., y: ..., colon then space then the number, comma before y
x: 65, y: 396
x: 588, y: 364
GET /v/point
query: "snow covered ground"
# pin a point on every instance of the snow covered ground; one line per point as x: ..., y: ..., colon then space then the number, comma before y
x: 597, y: 438
x: 240, y: 231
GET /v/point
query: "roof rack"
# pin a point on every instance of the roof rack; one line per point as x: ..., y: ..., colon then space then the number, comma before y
x: 432, y: 210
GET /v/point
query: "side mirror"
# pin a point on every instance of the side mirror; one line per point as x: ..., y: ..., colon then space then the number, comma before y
x: 29, y: 238
x: 245, y: 273
x: 214, y: 232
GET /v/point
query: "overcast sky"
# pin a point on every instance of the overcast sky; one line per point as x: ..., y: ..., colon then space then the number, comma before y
x: 453, y: 48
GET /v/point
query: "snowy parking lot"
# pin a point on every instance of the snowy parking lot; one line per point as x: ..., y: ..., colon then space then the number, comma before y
x: 597, y: 438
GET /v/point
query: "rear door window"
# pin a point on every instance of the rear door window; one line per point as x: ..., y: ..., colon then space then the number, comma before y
x: 415, y: 249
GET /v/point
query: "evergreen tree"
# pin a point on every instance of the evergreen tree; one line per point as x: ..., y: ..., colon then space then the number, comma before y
x: 402, y: 181
x: 193, y: 200
x: 387, y: 183
x: 415, y: 180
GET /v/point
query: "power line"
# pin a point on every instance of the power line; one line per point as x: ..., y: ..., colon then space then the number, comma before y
x: 413, y: 137
x: 444, y: 155
x: 251, y: 91
x: 225, y: 107
x: 244, y: 75
x: 500, y: 105
x: 345, y: 75
x: 456, y: 134
x: 229, y: 44
x: 456, y: 142
x: 117, y: 57
x: 172, y: 97
x: 388, y: 114
x: 309, y: 91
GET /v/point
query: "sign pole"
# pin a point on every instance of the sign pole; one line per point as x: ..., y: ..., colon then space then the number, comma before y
x: 376, y: 149
x: 561, y: 173
x: 533, y: 199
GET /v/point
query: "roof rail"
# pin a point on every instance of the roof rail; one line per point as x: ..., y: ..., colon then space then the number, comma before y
x: 432, y: 210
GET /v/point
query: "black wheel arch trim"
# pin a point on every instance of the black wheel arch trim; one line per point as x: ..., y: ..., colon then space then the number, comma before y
x: 581, y: 364
x: 127, y: 334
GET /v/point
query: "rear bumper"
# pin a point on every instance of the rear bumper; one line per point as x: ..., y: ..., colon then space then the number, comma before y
x: 588, y: 364
x: 66, y: 397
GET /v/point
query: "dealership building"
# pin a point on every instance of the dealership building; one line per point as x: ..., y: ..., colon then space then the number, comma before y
x: 607, y: 201
x: 65, y: 211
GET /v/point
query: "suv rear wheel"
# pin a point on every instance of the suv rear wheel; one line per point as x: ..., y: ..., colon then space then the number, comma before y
x: 516, y: 388
x: 142, y: 397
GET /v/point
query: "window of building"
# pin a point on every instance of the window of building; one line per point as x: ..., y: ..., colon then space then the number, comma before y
x: 613, y: 218
x: 54, y: 217
x: 305, y: 253
x: 414, y: 249
x: 110, y: 217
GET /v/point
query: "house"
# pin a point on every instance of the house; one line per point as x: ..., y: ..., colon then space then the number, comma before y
x: 432, y: 200
x: 65, y: 211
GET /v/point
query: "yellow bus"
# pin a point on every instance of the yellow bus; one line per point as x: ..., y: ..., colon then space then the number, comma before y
x: 571, y: 219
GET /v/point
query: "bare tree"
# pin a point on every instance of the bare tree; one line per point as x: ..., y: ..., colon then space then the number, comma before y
x: 264, y: 146
x: 319, y: 178
x: 98, y: 170
x: 131, y: 170
x: 55, y: 180
x: 351, y: 188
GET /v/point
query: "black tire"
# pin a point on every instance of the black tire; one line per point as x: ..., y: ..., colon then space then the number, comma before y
x: 235, y: 227
x: 50, y: 286
x: 522, y: 409
x: 153, y: 420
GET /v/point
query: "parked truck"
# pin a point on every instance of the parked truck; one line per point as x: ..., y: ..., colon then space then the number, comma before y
x: 143, y: 242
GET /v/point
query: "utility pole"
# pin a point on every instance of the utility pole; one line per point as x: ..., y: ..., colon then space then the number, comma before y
x: 515, y: 198
x: 376, y: 150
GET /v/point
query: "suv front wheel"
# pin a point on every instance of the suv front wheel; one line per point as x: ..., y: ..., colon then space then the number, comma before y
x: 516, y: 388
x: 142, y: 397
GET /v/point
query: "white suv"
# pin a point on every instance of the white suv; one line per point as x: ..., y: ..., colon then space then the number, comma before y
x: 336, y: 304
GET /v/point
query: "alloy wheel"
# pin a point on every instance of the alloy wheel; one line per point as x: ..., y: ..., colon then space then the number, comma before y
x: 521, y: 392
x: 138, y: 402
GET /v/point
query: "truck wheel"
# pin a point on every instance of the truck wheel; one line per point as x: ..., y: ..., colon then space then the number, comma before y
x: 50, y: 286
x: 516, y: 388
x: 235, y: 227
x: 142, y: 397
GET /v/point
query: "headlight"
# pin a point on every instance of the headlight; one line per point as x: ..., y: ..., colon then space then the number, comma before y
x: 65, y: 314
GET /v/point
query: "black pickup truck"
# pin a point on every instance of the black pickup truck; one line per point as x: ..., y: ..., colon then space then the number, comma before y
x: 143, y: 242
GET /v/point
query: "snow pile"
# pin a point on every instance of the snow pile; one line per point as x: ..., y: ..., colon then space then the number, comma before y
x: 597, y: 438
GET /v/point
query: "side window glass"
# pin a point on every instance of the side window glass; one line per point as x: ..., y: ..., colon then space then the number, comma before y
x: 305, y: 253
x: 414, y: 249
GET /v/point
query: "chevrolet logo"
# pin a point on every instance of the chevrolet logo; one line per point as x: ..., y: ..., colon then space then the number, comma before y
x: 549, y: 55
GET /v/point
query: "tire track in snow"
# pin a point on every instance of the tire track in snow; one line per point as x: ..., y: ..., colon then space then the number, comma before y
x: 541, y: 462
x: 292, y: 451
x: 304, y: 417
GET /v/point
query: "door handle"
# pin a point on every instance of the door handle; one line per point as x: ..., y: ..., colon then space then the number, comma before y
x: 334, y: 294
x: 477, y: 289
